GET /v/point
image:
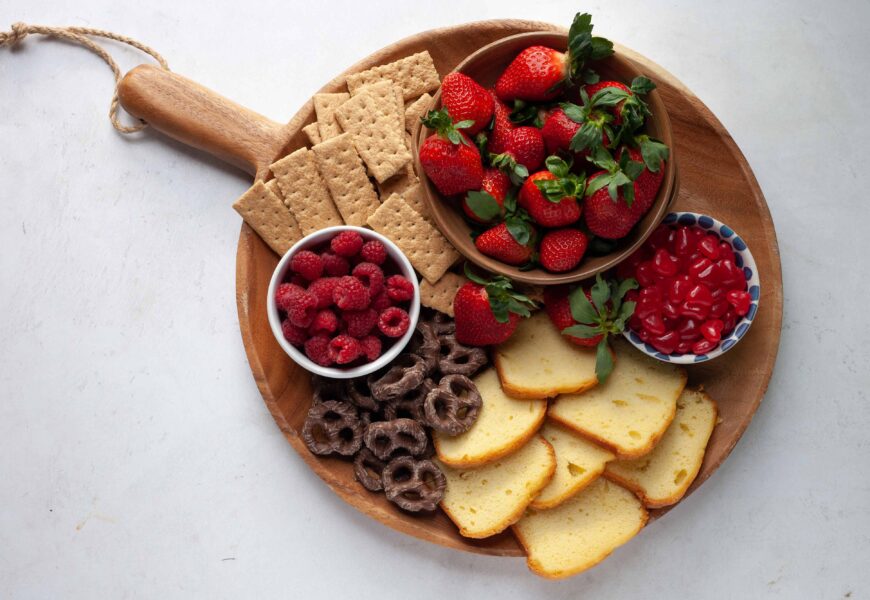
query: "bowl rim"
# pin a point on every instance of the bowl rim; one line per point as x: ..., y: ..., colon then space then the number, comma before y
x: 280, y: 272
x: 753, y: 285
x: 665, y: 197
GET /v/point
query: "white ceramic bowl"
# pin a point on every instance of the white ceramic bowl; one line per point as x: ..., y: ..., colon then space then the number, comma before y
x: 744, y: 260
x: 314, y: 240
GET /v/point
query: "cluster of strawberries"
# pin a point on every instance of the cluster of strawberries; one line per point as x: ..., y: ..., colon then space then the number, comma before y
x: 521, y: 172
x: 342, y: 305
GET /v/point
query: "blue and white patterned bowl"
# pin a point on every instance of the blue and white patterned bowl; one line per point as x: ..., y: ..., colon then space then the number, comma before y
x: 743, y: 259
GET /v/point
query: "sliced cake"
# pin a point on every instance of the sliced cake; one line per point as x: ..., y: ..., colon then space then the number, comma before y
x: 581, y: 532
x: 537, y: 362
x: 579, y: 462
x: 631, y: 411
x: 662, y: 477
x: 487, y: 500
x: 503, y: 426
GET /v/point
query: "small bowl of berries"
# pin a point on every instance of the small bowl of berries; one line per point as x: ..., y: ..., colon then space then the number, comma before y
x: 698, y: 290
x: 343, y: 302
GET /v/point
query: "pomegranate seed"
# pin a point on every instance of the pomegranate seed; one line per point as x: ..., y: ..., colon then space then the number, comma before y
x: 671, y: 310
x: 666, y: 344
x: 730, y: 322
x: 712, y: 330
x: 684, y: 347
x: 684, y: 243
x: 703, y: 346
x: 664, y: 264
x: 709, y: 246
x: 719, y: 308
x: 680, y: 286
x: 740, y: 300
x: 688, y: 330
x: 645, y: 274
x: 654, y: 324
x: 698, y: 266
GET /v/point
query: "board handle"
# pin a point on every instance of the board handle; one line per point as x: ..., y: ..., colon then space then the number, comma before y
x: 199, y: 117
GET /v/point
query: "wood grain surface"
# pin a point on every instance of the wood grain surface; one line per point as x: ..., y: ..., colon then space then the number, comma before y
x: 714, y: 178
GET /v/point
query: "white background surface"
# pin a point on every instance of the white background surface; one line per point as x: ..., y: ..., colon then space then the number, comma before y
x: 137, y: 459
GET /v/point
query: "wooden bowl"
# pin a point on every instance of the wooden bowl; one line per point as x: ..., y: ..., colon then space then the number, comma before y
x: 484, y: 66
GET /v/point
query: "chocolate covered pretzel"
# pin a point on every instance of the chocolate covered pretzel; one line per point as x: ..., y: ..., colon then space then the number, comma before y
x: 453, y: 406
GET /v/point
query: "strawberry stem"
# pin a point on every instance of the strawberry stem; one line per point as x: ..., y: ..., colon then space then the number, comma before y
x: 442, y: 123
x: 503, y: 298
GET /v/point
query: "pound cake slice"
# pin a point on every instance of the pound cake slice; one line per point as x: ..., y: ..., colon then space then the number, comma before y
x: 503, y: 426
x: 581, y: 532
x: 538, y: 362
x: 632, y: 410
x: 486, y: 501
x: 579, y: 462
x: 662, y: 477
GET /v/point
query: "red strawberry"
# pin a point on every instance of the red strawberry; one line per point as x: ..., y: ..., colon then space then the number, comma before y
x: 563, y: 249
x: 594, y: 88
x: 558, y: 307
x: 523, y: 152
x: 550, y: 196
x: 589, y: 316
x: 488, y: 204
x: 465, y: 99
x: 610, y: 194
x: 449, y: 158
x: 487, y: 312
x: 558, y: 130
x: 647, y: 184
x: 625, y: 103
x: 502, y: 126
x: 499, y: 243
x: 538, y: 72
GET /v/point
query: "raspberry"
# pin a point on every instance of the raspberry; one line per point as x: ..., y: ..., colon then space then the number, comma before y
x: 399, y: 289
x: 283, y: 295
x: 371, y: 347
x: 374, y: 251
x: 307, y: 264
x: 347, y: 243
x: 322, y: 288
x: 344, y: 349
x: 302, y: 307
x: 325, y: 322
x: 299, y: 281
x: 294, y: 335
x: 334, y: 265
x: 371, y: 276
x: 381, y: 301
x: 349, y: 293
x: 394, y: 322
x: 317, y: 349
x: 360, y: 322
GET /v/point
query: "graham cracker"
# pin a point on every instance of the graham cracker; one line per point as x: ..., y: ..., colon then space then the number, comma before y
x: 313, y: 132
x: 374, y: 116
x: 415, y: 110
x: 415, y: 197
x: 425, y: 246
x: 267, y: 215
x: 324, y: 107
x: 415, y: 74
x: 440, y: 295
x: 345, y: 176
x: 305, y: 192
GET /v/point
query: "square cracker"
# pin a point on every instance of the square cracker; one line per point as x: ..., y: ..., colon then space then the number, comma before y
x: 414, y: 196
x: 267, y: 215
x: 346, y: 178
x: 305, y: 192
x: 398, y: 183
x: 440, y: 295
x: 312, y: 131
x: 324, y: 107
x: 415, y: 74
x: 375, y: 117
x: 425, y: 246
x: 415, y: 110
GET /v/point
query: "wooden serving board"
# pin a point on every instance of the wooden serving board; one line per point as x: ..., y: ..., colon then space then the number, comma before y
x: 714, y: 179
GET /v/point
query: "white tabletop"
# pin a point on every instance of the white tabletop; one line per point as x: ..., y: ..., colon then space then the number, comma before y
x: 137, y: 458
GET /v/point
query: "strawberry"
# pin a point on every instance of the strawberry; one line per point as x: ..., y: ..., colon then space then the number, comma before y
x: 647, y: 184
x: 562, y: 249
x: 558, y: 308
x: 502, y: 126
x: 523, y: 152
x: 610, y: 194
x: 449, y: 158
x: 488, y: 311
x: 558, y: 130
x: 488, y: 204
x: 465, y: 99
x: 500, y: 243
x: 550, y: 197
x: 538, y: 72
x: 598, y: 313
x: 625, y: 103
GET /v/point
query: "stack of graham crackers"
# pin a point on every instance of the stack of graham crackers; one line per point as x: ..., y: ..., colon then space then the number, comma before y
x: 359, y: 171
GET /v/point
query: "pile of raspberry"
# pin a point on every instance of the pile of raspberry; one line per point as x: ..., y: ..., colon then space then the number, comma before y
x: 344, y: 305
